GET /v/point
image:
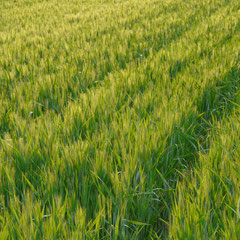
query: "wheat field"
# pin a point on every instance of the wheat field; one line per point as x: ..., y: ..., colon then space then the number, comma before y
x: 119, y: 119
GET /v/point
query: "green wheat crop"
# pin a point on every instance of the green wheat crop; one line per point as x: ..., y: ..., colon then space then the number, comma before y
x: 119, y: 119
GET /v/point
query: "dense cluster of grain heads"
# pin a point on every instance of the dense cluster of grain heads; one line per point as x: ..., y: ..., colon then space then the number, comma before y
x: 119, y: 119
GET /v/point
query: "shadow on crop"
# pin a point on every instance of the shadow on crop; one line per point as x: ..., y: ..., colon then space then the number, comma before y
x: 191, y: 136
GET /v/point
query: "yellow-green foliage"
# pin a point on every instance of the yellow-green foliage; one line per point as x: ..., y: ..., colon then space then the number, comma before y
x: 119, y: 119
